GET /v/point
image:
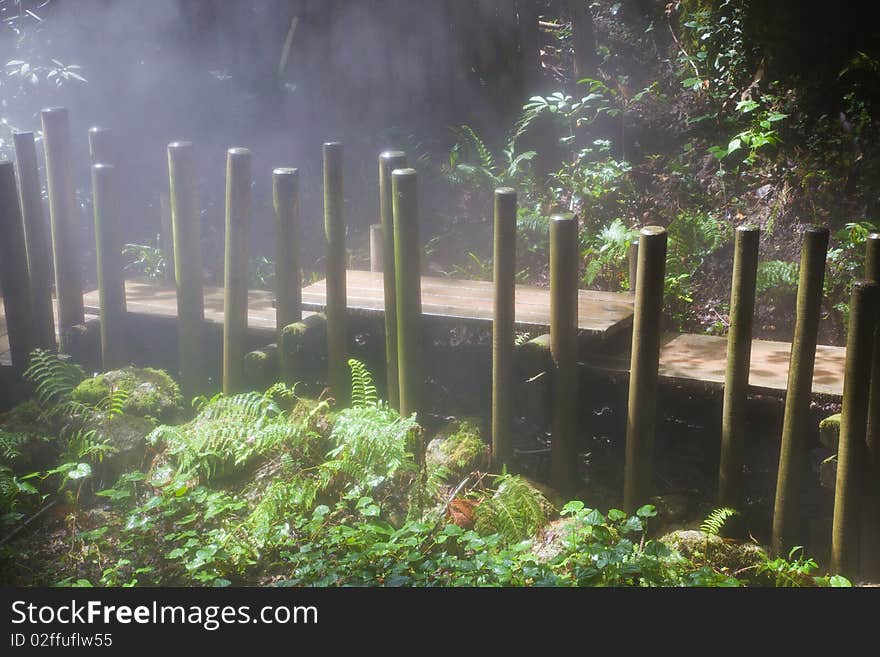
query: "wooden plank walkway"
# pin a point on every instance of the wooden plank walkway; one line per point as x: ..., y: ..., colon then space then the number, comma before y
x: 599, y: 313
x: 702, y: 358
x: 683, y: 357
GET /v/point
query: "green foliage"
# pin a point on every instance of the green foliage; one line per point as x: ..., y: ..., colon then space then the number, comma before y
x: 715, y: 521
x: 54, y: 377
x: 608, y: 254
x: 515, y: 511
x: 796, y: 571
x: 147, y: 260
x: 363, y: 390
x: 776, y: 278
x: 692, y: 237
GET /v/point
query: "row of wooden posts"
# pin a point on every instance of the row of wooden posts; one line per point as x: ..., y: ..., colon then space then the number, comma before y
x: 26, y: 279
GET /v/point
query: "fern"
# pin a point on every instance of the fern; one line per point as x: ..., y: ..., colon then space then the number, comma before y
x: 515, y: 511
x: 54, y: 376
x: 714, y: 522
x: 776, y: 276
x: 468, y: 138
x: 363, y: 389
x: 11, y: 444
x: 372, y: 444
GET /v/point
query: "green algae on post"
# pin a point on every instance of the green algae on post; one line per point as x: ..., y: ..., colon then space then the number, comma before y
x: 39, y: 254
x: 644, y: 363
x: 503, y: 322
x: 187, y: 249
x: 796, y: 418
x: 851, y: 456
x: 408, y: 289
x: 235, y: 289
x: 739, y: 351
x: 563, y: 349
x: 288, y: 275
x: 388, y: 162
x: 108, y: 251
x: 14, y: 277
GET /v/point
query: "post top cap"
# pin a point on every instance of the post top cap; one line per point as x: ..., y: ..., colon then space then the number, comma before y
x: 54, y: 110
x: 332, y: 144
x: 238, y: 151
x: 816, y: 229
x: 748, y: 228
x: 285, y: 171
x: 391, y: 155
x: 563, y: 216
x: 100, y: 166
x: 180, y: 145
x: 403, y: 173
x: 651, y: 231
x: 873, y: 236
x: 98, y: 128
x: 505, y: 191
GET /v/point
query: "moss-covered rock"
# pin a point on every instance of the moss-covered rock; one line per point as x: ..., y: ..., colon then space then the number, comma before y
x: 829, y: 432
x: 261, y: 366
x: 828, y: 472
x: 125, y: 434
x: 27, y: 441
x: 457, y: 450
x: 152, y: 393
x: 303, y: 348
x: 729, y: 556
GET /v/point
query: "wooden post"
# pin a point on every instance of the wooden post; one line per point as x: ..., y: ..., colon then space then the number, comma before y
x: 563, y: 350
x: 739, y: 354
x: 377, y: 260
x: 645, y: 360
x: 101, y: 146
x: 63, y: 214
x: 338, y: 376
x: 633, y: 264
x: 235, y: 296
x: 870, y: 528
x: 796, y: 419
x: 872, y: 273
x: 108, y: 250
x: 166, y: 235
x: 39, y: 255
x: 14, y: 277
x: 845, y: 535
x: 503, y: 322
x: 408, y: 289
x: 187, y: 265
x: 288, y: 275
x: 388, y: 162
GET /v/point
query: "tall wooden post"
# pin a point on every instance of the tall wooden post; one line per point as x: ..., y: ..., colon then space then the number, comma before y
x: 645, y: 360
x: 188, y: 273
x: 338, y: 377
x: 288, y: 275
x: 377, y: 256
x: 388, y: 162
x: 235, y: 297
x: 503, y: 323
x: 739, y: 354
x: 851, y: 451
x: 633, y: 264
x: 872, y: 273
x: 408, y: 289
x: 870, y: 525
x: 102, y: 148
x: 14, y: 270
x: 39, y: 255
x: 796, y: 419
x: 111, y: 291
x: 64, y: 215
x: 563, y: 350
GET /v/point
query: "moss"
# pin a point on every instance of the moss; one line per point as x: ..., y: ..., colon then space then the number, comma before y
x: 734, y: 558
x: 459, y: 449
x: 829, y: 431
x: 153, y: 393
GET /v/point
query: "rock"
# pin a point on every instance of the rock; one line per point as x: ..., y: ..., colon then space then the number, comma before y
x: 261, y: 366
x: 126, y: 434
x: 303, y: 347
x: 32, y: 445
x: 829, y: 432
x: 458, y: 449
x: 696, y: 545
x: 828, y: 472
x: 153, y: 394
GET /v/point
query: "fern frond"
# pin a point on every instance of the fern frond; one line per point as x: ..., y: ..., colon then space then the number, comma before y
x: 54, y: 376
x: 516, y: 510
x: 714, y: 522
x: 363, y: 389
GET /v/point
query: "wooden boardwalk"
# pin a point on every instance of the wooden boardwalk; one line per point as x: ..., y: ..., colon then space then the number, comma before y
x: 683, y: 357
